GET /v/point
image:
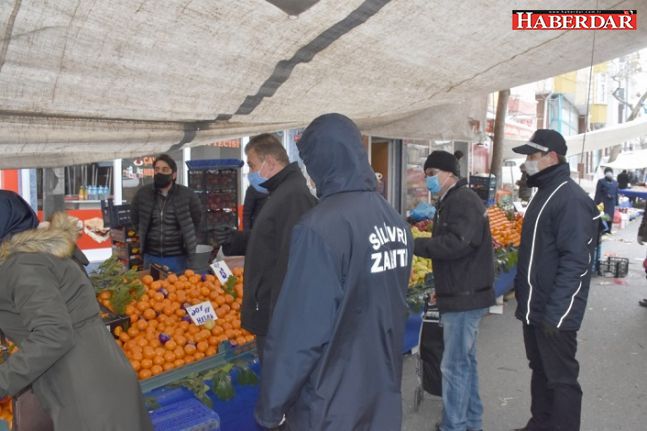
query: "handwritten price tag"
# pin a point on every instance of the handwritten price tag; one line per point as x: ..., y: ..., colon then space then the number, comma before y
x: 201, y: 313
x: 221, y: 270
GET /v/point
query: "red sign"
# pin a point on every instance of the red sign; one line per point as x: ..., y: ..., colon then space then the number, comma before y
x: 574, y: 19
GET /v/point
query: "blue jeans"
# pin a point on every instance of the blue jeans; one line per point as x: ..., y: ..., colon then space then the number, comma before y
x: 176, y: 264
x: 462, y: 407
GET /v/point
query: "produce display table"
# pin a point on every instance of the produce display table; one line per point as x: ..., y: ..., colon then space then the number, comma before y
x: 504, y: 282
x: 634, y: 192
x: 235, y: 414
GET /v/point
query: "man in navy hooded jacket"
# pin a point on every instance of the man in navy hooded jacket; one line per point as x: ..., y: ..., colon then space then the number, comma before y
x: 333, y: 360
x: 552, y: 284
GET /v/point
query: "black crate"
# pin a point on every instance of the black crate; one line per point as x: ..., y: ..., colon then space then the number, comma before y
x: 615, y: 267
x: 115, y: 215
x: 478, y: 182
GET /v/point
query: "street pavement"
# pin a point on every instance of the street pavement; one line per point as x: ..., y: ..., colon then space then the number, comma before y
x: 612, y: 351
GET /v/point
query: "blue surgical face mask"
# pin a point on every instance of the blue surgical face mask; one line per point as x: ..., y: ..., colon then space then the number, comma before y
x: 255, y: 179
x: 433, y: 184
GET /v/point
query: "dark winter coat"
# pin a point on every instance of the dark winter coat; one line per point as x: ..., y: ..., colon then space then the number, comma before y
x: 333, y: 359
x: 167, y: 225
x: 48, y: 308
x: 254, y: 201
x: 461, y: 251
x: 266, y: 247
x: 606, y: 192
x: 623, y: 180
x: 558, y: 240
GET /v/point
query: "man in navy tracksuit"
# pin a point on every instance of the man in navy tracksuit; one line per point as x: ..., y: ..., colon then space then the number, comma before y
x: 553, y: 274
x: 333, y: 361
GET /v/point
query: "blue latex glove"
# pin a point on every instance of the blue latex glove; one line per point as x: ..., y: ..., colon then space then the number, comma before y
x: 423, y: 211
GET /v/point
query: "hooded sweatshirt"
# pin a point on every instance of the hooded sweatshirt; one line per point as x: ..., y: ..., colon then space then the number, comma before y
x: 333, y: 360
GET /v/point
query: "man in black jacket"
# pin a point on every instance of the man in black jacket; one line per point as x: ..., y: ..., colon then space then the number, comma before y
x: 462, y: 255
x: 266, y: 246
x: 333, y: 361
x: 558, y: 240
x: 166, y: 216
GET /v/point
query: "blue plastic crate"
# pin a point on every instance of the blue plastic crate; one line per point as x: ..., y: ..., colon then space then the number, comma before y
x: 185, y: 415
x: 214, y: 163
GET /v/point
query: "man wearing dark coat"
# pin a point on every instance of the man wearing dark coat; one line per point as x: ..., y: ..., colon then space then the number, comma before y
x: 333, y: 361
x: 558, y: 240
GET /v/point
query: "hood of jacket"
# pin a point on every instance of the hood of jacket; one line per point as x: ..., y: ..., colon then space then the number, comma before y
x: 58, y: 239
x: 331, y: 148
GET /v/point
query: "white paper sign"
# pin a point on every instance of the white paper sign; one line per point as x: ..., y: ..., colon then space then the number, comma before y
x: 201, y: 313
x: 221, y: 270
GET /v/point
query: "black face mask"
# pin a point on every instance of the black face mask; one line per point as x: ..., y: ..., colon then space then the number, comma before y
x: 162, y: 180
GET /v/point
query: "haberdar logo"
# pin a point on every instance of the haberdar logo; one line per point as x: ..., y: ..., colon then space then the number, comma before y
x: 574, y: 19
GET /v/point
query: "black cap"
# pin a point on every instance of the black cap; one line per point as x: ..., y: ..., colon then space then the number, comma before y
x: 442, y: 160
x: 544, y: 140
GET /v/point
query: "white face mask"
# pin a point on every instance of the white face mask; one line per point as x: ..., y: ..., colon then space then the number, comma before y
x: 609, y: 175
x: 532, y: 167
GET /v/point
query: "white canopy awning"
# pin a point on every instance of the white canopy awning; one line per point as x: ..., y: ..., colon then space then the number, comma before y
x: 83, y: 80
x: 629, y: 160
x: 595, y: 140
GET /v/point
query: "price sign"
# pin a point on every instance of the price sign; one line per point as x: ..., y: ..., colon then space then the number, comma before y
x: 201, y: 313
x: 221, y: 270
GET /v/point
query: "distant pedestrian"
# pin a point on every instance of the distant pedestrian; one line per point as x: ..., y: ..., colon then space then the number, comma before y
x: 606, y: 192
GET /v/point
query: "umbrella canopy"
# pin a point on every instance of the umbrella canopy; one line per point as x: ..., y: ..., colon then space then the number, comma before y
x: 83, y: 80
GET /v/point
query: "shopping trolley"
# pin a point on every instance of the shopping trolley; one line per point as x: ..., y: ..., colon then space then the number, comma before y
x: 430, y: 353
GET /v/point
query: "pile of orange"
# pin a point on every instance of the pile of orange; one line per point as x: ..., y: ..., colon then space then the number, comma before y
x: 161, y: 337
x: 504, y: 231
x: 6, y: 410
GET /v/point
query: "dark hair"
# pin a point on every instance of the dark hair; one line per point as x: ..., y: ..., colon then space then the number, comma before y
x: 168, y: 160
x: 458, y: 154
x: 607, y: 169
x: 267, y: 144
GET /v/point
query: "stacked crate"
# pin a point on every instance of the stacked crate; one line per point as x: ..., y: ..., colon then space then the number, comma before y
x: 485, y: 187
x: 125, y: 241
x: 216, y: 182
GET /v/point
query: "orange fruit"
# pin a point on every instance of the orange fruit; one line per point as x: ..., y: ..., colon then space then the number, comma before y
x: 170, y: 345
x: 145, y: 374
x: 169, y: 357
x: 179, y: 362
x: 190, y: 349
x: 179, y: 352
x: 189, y: 272
x: 168, y: 366
x: 124, y: 337
x: 158, y: 360
x: 199, y: 355
x: 212, y: 350
x: 202, y: 346
x: 147, y: 279
x: 149, y: 314
x: 157, y: 369
x: 146, y: 363
x: 136, y: 365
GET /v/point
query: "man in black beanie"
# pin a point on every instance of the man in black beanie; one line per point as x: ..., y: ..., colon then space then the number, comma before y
x: 462, y: 255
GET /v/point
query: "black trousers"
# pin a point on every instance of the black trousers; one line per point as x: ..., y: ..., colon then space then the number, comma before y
x: 556, y: 401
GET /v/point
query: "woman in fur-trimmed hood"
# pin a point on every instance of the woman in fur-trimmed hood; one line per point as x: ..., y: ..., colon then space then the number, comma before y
x: 48, y: 308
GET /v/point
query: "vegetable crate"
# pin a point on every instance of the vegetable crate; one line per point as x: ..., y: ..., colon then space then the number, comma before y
x: 615, y: 267
x: 216, y: 182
